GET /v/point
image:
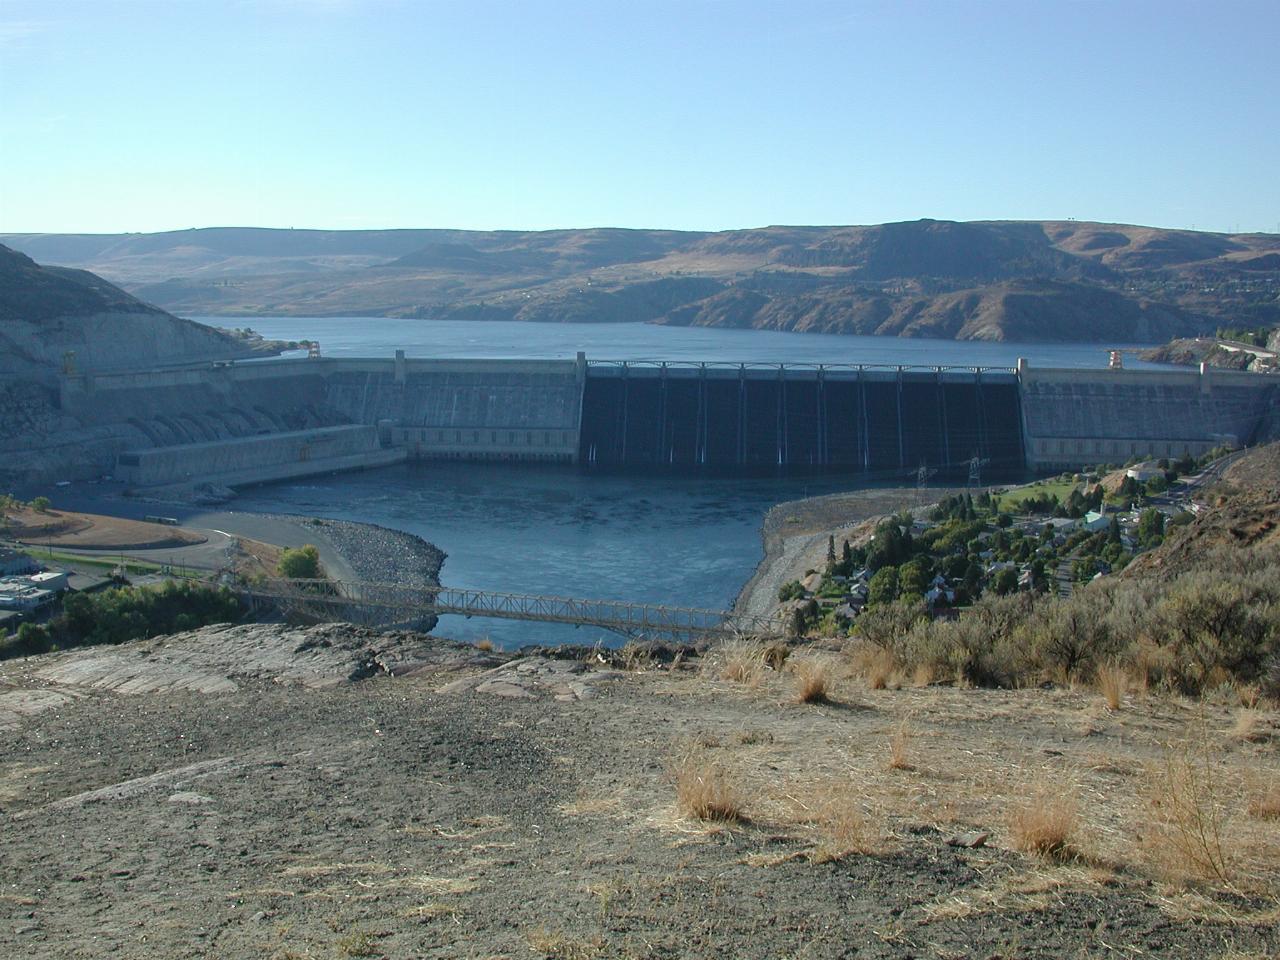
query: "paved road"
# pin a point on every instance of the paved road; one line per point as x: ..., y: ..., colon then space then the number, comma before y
x: 217, y: 526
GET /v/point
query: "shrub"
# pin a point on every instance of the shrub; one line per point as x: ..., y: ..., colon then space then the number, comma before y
x: 1068, y: 638
x: 301, y: 563
x: 31, y: 639
x: 130, y: 613
x: 886, y: 626
x: 791, y: 590
x: 1218, y: 622
x: 1189, y: 829
x: 41, y: 504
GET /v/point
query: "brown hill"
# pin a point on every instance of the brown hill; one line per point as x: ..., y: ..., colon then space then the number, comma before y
x: 48, y: 312
x: 1032, y: 280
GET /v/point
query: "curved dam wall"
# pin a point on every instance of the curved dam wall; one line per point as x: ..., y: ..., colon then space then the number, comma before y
x: 638, y: 415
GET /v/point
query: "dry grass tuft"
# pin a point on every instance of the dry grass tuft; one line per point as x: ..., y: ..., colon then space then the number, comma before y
x: 1264, y: 799
x: 874, y: 664
x: 1189, y: 835
x: 1045, y: 824
x: 899, y: 740
x: 1250, y: 695
x: 775, y: 655
x: 924, y: 675
x: 705, y: 791
x: 1113, y: 684
x: 556, y: 945
x: 842, y: 827
x: 742, y: 662
x: 1251, y: 726
x: 485, y: 644
x: 814, y: 680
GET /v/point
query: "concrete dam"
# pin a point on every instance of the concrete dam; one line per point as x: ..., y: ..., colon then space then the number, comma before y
x: 246, y: 422
x: 870, y: 420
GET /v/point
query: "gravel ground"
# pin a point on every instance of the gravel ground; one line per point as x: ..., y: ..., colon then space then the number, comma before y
x: 387, y: 818
x: 381, y: 555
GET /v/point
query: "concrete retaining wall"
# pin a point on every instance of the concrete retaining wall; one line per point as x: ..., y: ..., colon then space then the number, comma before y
x: 467, y: 409
x: 254, y: 459
x: 1077, y: 417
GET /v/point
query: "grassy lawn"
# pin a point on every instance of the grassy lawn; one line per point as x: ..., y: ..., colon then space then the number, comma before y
x: 99, y: 563
x: 1011, y: 500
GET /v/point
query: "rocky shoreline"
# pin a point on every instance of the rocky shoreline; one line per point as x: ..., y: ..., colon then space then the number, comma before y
x: 380, y: 554
x: 795, y: 536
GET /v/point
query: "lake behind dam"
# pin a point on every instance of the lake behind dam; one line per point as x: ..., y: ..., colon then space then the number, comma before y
x: 684, y: 540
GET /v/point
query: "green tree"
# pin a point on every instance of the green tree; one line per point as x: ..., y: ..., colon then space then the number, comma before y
x: 1150, y: 528
x: 302, y: 563
x: 914, y: 577
x: 1006, y: 581
x: 41, y: 504
x: 883, y: 587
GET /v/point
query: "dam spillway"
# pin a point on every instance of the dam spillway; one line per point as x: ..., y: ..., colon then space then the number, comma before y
x: 634, y: 416
x: 862, y: 419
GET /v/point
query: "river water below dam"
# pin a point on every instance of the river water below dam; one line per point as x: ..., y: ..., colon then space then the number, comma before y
x: 683, y: 540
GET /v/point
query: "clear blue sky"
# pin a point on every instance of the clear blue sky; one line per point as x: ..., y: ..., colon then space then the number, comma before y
x: 128, y: 115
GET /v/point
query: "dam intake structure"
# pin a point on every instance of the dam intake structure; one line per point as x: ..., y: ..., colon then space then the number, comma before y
x: 244, y: 422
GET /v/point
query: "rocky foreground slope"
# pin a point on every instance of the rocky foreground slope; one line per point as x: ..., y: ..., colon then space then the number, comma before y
x: 264, y: 791
x: 1001, y: 280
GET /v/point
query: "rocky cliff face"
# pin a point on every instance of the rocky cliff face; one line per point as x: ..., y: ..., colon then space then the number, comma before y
x: 46, y: 312
x: 1013, y: 310
x: 47, y: 315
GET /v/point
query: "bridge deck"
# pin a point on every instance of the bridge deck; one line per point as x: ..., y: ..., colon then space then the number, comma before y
x: 401, y: 603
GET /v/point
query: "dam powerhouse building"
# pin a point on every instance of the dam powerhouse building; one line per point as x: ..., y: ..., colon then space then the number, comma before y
x: 248, y: 422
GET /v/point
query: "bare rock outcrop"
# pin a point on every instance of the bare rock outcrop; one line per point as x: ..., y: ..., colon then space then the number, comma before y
x: 221, y: 658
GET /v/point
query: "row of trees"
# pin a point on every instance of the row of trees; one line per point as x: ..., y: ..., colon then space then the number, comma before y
x: 122, y: 614
x: 11, y: 504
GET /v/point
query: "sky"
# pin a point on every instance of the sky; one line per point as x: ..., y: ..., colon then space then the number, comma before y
x: 131, y: 115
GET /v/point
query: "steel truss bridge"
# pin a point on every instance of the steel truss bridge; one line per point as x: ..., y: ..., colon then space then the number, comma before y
x: 384, y: 604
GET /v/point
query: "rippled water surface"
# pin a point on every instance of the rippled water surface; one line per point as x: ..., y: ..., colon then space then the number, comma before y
x: 379, y: 337
x: 552, y: 530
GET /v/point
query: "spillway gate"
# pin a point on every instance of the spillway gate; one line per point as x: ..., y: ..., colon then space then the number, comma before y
x: 870, y: 419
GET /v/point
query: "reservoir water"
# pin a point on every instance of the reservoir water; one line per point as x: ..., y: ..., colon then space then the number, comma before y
x: 381, y: 337
x: 683, y: 540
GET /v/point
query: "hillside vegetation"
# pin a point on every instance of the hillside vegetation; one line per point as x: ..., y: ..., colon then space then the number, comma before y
x: 1034, y: 280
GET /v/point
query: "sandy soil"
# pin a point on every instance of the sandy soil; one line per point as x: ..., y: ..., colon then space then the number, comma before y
x: 430, y: 815
x: 90, y: 531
